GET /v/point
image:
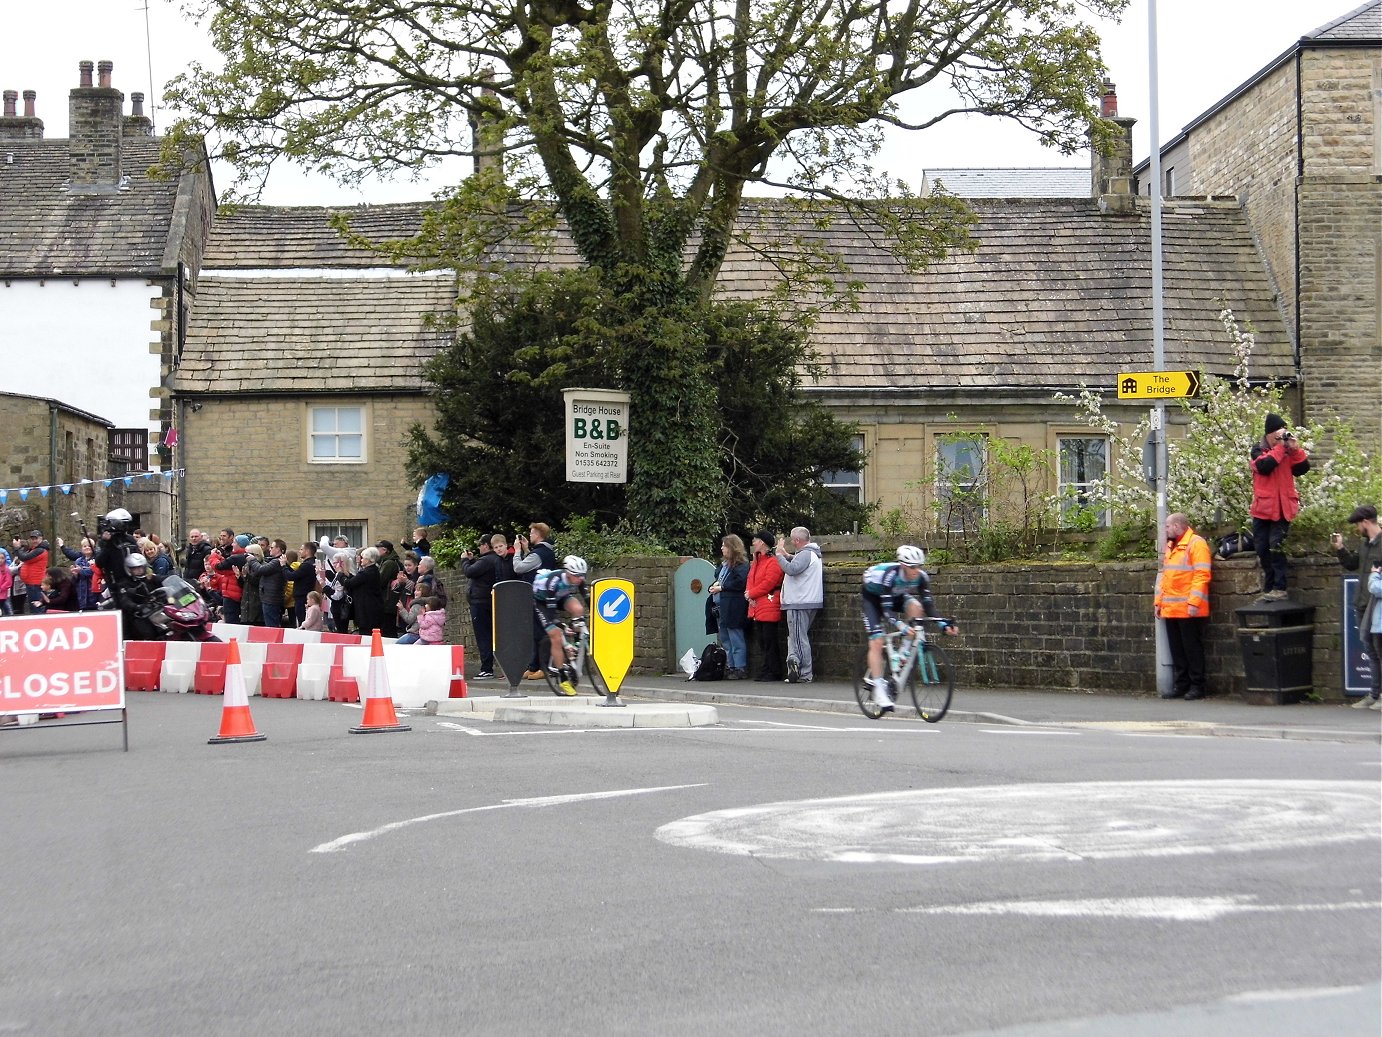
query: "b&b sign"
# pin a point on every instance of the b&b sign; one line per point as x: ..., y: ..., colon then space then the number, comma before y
x: 597, y: 435
x: 66, y: 662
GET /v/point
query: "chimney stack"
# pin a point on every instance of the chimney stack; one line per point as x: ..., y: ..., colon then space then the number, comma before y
x: 95, y: 127
x: 20, y: 127
x: 487, y: 139
x: 137, y: 124
x: 1112, y: 172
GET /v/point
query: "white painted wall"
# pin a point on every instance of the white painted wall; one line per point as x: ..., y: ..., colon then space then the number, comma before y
x: 84, y: 344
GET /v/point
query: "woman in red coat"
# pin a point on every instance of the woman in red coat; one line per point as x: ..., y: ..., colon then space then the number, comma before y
x: 1276, y: 461
x: 765, y: 606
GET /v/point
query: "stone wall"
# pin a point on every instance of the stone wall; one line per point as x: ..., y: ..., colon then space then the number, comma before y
x: 247, y: 468
x: 1076, y: 626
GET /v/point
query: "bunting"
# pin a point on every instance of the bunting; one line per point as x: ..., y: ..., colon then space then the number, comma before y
x: 66, y: 488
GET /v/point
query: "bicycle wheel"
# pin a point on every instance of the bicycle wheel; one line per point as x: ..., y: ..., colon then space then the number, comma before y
x: 544, y: 657
x: 591, y: 674
x: 863, y: 690
x: 932, y: 682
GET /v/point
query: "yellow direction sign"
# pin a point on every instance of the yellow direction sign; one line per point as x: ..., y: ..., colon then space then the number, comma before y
x: 611, y: 629
x: 1158, y: 385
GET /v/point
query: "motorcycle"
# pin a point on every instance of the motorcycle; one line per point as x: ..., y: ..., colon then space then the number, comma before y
x: 173, y: 611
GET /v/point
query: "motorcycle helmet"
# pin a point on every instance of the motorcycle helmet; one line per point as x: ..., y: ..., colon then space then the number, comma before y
x: 574, y: 565
x: 913, y: 556
x: 136, y: 565
x: 119, y: 520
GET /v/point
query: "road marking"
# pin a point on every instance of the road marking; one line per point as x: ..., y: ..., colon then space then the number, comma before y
x: 1075, y: 821
x: 541, y: 801
x: 1027, y: 731
x: 1127, y: 909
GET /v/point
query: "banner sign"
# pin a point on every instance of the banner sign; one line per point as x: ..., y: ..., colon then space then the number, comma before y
x: 1357, y: 666
x: 65, y: 662
x: 597, y: 435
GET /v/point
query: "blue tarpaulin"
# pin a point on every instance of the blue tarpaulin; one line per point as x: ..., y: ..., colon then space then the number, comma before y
x: 429, y: 511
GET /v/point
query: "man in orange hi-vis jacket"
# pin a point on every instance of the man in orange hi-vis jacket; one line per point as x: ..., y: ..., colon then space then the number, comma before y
x: 1182, y: 602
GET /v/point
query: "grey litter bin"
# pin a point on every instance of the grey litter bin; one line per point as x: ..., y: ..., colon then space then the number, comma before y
x: 1275, y: 639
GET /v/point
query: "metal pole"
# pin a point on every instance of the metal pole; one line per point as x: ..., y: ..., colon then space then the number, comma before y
x: 1158, y: 415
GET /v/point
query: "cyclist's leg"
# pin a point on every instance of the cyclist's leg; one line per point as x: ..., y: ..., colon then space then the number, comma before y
x: 873, y: 624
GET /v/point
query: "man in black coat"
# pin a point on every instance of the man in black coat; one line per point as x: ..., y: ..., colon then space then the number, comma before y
x: 484, y: 570
x: 304, y: 577
x: 194, y: 556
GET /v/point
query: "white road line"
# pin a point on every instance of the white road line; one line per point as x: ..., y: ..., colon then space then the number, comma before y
x: 1027, y: 731
x: 541, y: 801
x: 1168, y: 909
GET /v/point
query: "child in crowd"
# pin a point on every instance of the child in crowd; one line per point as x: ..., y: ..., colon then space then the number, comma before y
x: 431, y: 624
x: 313, y: 619
x: 408, y: 621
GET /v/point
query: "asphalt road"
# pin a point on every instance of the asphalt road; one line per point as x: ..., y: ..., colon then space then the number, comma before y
x: 782, y: 872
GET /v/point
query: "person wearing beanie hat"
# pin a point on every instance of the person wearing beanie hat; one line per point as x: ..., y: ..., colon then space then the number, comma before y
x: 1367, y: 608
x: 1276, y: 461
x: 765, y: 606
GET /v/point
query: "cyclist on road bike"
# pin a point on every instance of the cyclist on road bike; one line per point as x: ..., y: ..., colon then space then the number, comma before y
x: 555, y: 589
x: 890, y: 588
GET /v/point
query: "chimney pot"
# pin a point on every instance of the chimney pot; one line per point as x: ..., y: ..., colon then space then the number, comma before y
x: 136, y: 104
x: 1108, y: 107
x: 29, y: 97
x: 85, y: 68
x: 104, y: 70
x: 11, y: 103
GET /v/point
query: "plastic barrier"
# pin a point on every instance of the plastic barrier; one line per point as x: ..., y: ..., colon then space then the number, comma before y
x: 231, y: 631
x: 293, y: 636
x: 143, y: 664
x: 314, y: 672
x: 280, y: 678
x: 179, y: 665
x: 252, y: 656
x: 418, y: 673
x: 458, y: 688
x: 266, y: 635
x: 209, y: 678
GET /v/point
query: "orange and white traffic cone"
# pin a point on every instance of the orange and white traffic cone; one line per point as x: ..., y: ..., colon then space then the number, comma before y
x: 236, y: 723
x: 379, y: 713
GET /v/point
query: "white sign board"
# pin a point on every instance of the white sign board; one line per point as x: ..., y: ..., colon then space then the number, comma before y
x: 597, y: 435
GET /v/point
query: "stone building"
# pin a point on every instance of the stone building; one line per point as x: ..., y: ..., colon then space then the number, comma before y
x: 303, y: 367
x: 303, y: 373
x: 1300, y: 145
x: 49, y: 443
x: 98, y: 263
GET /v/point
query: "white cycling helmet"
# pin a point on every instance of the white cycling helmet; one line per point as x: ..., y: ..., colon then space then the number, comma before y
x: 909, y: 555
x: 574, y: 565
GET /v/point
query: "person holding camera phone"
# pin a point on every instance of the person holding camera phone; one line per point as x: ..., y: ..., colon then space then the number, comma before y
x: 1367, y: 608
x: 1277, y: 459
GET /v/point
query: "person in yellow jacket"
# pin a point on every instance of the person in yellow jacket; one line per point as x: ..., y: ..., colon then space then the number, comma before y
x: 1182, y: 602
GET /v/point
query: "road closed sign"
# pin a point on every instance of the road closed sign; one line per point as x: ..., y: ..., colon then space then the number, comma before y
x: 611, y: 629
x: 597, y: 435
x: 65, y: 662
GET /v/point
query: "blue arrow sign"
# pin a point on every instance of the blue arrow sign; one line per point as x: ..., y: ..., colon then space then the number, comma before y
x: 613, y: 606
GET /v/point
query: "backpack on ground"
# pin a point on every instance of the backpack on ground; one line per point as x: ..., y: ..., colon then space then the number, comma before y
x: 712, y: 663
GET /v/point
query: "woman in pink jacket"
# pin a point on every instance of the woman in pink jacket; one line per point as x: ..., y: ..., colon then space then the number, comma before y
x: 764, y: 592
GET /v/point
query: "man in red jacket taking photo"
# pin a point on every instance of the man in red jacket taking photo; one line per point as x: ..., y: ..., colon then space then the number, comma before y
x: 1276, y: 461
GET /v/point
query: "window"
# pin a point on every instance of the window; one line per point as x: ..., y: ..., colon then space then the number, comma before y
x: 1082, y: 481
x: 1170, y: 179
x: 847, y: 484
x: 338, y: 434
x: 961, y: 499
x: 352, y: 529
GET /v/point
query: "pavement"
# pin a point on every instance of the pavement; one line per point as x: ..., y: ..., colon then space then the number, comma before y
x: 1218, y: 716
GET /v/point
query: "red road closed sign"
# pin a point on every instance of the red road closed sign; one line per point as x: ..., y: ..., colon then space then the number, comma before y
x: 62, y: 663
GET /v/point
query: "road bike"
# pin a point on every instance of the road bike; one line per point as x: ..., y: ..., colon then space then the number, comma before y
x: 915, y: 659
x: 579, y: 667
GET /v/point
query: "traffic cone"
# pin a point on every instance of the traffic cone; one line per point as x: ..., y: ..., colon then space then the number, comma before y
x: 379, y: 714
x: 236, y: 723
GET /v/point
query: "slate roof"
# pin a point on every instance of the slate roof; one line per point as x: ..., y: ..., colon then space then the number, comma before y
x: 46, y: 231
x: 296, y: 335
x: 268, y: 237
x: 1056, y: 295
x: 1028, y: 182
x: 1361, y: 24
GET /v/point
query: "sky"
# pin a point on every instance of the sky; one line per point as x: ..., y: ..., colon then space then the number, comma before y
x: 1206, y: 48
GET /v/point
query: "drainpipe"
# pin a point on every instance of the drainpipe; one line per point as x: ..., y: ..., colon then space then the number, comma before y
x: 1295, y: 216
x: 52, y: 473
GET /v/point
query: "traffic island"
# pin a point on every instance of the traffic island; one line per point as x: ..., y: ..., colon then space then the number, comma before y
x: 581, y: 711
